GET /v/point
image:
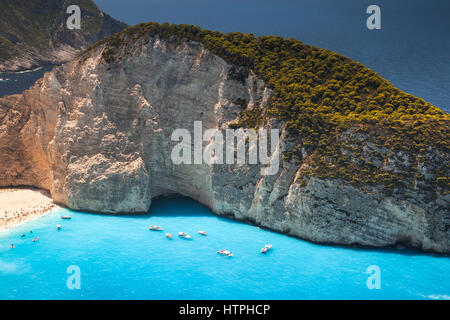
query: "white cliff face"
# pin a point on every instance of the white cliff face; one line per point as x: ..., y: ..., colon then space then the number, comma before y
x: 98, y: 136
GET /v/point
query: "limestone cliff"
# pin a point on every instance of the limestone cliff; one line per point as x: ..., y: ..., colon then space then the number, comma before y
x: 97, y: 134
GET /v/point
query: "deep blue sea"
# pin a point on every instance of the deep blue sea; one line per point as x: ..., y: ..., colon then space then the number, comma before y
x: 16, y: 82
x: 119, y: 258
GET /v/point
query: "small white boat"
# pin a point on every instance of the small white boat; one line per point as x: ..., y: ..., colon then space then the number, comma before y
x: 58, y: 227
x: 155, y: 228
x: 66, y: 217
x: 184, y: 235
x: 266, y: 248
x: 203, y: 233
x: 168, y: 236
x: 224, y: 252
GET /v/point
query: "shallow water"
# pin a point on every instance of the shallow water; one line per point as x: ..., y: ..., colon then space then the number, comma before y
x: 119, y: 258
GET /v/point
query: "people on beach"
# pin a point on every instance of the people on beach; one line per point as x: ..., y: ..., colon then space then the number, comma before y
x: 12, y: 217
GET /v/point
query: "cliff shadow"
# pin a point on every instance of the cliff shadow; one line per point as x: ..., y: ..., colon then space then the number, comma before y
x: 173, y: 205
x: 176, y: 205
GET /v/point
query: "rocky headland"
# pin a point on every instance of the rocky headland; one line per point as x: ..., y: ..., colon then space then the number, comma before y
x: 362, y: 163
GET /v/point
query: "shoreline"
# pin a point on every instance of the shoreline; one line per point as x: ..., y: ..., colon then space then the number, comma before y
x: 26, y: 71
x: 21, y: 71
x: 21, y: 205
x: 30, y: 218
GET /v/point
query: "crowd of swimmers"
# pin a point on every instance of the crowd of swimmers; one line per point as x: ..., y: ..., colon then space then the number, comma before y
x: 36, y: 239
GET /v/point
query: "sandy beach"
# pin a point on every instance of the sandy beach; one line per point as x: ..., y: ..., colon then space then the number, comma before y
x: 21, y: 205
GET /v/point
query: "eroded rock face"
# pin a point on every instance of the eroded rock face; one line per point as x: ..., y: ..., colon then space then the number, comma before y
x: 98, y: 136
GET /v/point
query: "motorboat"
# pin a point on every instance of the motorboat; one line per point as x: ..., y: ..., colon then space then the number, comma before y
x: 266, y: 248
x: 168, y: 236
x: 155, y: 228
x: 66, y: 217
x: 203, y: 233
x: 224, y: 252
x: 184, y: 235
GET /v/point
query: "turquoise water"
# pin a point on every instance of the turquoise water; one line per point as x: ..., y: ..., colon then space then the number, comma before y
x: 119, y: 258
